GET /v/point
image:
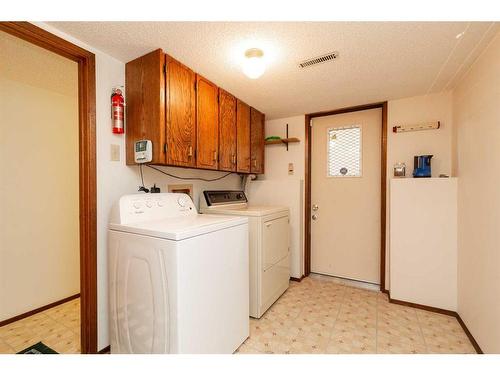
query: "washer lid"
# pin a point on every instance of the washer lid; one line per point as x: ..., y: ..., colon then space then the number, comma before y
x: 180, y: 228
x: 244, y: 210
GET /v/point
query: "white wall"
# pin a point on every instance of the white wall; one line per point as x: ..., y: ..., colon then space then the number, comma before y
x: 39, y: 246
x: 401, y: 147
x: 277, y: 187
x: 424, y: 241
x: 115, y: 179
x: 476, y: 113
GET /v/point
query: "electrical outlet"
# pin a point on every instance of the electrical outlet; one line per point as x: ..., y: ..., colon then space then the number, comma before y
x: 290, y: 168
x: 115, y: 153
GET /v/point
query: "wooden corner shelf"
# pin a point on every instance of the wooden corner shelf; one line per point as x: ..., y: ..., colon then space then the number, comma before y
x: 285, y: 141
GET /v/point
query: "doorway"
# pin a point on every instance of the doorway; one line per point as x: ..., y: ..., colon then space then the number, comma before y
x: 84, y: 189
x: 345, y: 193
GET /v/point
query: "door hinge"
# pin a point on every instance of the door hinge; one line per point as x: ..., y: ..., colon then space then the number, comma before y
x: 311, y: 123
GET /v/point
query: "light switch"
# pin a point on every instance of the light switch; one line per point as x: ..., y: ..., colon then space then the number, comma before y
x: 115, y: 152
x: 290, y: 168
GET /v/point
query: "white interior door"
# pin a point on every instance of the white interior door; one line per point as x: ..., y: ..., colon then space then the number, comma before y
x: 345, y: 195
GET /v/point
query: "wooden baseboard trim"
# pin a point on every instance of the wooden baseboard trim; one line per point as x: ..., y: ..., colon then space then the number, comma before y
x: 469, y: 335
x: 36, y: 311
x: 440, y: 311
x: 297, y: 279
x: 106, y: 350
x: 423, y: 307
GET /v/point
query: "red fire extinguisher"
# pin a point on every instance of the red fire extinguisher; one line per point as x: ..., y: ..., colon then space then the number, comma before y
x: 117, y: 110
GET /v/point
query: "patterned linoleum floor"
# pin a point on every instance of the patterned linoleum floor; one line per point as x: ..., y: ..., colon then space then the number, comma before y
x: 318, y: 315
x: 58, y: 328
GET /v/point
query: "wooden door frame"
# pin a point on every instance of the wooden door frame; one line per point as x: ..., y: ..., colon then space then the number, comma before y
x: 383, y: 182
x: 87, y: 167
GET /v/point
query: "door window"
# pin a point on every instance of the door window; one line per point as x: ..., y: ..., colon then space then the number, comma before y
x: 344, y: 151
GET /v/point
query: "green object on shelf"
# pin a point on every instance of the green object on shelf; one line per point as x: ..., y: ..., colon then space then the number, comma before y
x: 272, y: 138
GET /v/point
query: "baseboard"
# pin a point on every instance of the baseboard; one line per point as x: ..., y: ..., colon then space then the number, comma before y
x: 297, y: 279
x: 40, y: 309
x: 423, y: 307
x: 469, y: 335
x: 106, y: 350
x: 440, y: 311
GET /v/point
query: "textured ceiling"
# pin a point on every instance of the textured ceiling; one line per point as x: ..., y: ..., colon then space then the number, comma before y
x: 377, y: 60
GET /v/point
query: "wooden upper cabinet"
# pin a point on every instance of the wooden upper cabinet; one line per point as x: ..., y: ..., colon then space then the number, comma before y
x: 227, y: 131
x: 243, y: 137
x: 207, y: 123
x: 189, y: 120
x: 145, y: 94
x: 257, y: 141
x: 181, y: 114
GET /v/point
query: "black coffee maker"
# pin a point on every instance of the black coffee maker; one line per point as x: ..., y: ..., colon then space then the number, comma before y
x: 422, y: 166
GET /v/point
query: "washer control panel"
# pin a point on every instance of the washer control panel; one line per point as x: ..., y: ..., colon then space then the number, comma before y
x: 218, y: 197
x: 145, y: 207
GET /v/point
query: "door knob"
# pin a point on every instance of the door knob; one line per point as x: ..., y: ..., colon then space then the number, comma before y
x: 315, y: 207
x: 314, y: 217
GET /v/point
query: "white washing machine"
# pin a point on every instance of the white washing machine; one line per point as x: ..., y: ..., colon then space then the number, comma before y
x: 178, y: 281
x: 269, y: 244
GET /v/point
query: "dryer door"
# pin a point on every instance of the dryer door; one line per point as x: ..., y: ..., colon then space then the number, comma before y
x: 275, y: 241
x: 275, y: 261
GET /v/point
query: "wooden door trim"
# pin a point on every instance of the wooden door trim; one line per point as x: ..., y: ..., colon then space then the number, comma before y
x: 87, y: 167
x: 383, y: 182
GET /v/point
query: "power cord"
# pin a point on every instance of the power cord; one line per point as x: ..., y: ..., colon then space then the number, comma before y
x: 142, y: 188
x: 186, y: 178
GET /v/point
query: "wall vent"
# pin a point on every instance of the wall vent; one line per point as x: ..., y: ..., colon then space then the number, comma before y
x: 319, y: 60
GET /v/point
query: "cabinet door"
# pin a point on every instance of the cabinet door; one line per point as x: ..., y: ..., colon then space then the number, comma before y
x: 257, y: 141
x: 243, y: 137
x: 145, y: 95
x: 207, y: 123
x: 227, y: 131
x: 181, y: 110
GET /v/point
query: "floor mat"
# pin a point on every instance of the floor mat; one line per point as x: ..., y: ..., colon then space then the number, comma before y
x: 38, y: 348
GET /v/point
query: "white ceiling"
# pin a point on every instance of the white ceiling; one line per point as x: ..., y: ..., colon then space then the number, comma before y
x: 377, y: 60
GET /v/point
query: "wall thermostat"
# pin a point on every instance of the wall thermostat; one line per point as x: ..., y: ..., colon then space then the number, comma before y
x: 143, y: 151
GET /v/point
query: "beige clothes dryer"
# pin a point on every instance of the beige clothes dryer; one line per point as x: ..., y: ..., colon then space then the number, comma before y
x: 269, y: 244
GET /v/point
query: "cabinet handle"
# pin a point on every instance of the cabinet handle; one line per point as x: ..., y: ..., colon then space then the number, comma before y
x: 190, y: 151
x: 215, y: 155
x: 233, y: 159
x: 255, y: 163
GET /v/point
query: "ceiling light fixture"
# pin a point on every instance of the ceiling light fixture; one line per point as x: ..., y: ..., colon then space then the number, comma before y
x: 254, y: 64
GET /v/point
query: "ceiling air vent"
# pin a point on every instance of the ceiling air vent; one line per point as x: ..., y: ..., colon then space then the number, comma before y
x: 319, y: 60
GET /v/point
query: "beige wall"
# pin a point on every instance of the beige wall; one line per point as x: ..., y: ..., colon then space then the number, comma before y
x: 401, y: 147
x: 476, y: 103
x: 423, y: 241
x: 39, y: 239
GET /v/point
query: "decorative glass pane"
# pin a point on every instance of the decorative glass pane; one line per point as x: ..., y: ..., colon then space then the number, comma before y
x: 344, y: 152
